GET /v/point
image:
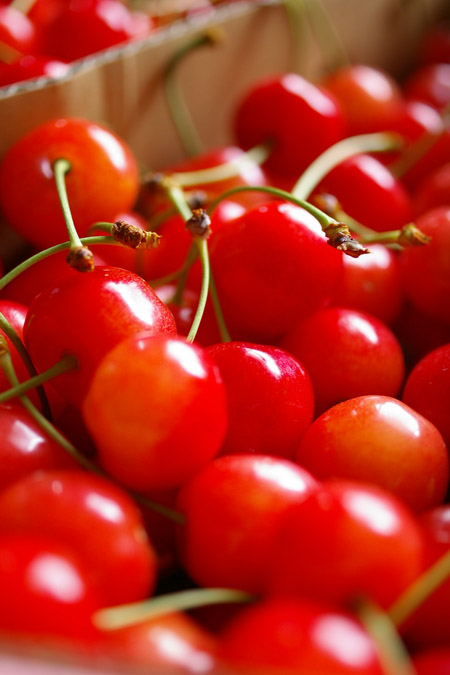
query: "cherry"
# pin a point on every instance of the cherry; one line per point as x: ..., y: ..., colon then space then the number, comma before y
x: 102, y: 182
x: 270, y: 398
x: 434, y: 191
x: 297, y: 118
x: 346, y: 540
x: 372, y: 284
x: 427, y: 389
x: 84, y: 27
x: 234, y: 508
x: 183, y: 310
x: 297, y: 636
x: 426, y: 270
x: 157, y: 412
x: 86, y: 315
x: 16, y: 30
x: 15, y: 314
x: 432, y: 662
x: 44, y: 590
x: 430, y: 83
x: 370, y: 193
x: 29, y: 67
x: 272, y: 266
x: 379, y: 440
x: 419, y: 334
x: 24, y: 447
x: 171, y: 641
x: 94, y: 519
x: 342, y: 350
x: 370, y: 98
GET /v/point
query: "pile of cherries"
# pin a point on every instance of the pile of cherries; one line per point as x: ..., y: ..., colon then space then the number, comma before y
x: 41, y: 38
x: 292, y: 479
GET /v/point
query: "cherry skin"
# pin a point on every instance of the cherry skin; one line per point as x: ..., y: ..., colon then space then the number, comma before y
x: 171, y: 641
x: 156, y: 409
x: 370, y: 193
x: 297, y: 118
x: 430, y: 83
x: 45, y: 590
x: 432, y: 662
x: 234, y: 508
x: 342, y: 350
x: 297, y: 636
x: 84, y: 27
x: 370, y: 98
x: 426, y: 270
x: 25, y: 448
x: 372, y: 284
x: 16, y: 30
x: 379, y: 440
x: 427, y: 389
x: 434, y: 191
x: 94, y: 519
x: 346, y: 540
x: 102, y: 182
x: 29, y: 67
x: 86, y: 315
x: 270, y: 398
x: 419, y: 334
x: 272, y: 266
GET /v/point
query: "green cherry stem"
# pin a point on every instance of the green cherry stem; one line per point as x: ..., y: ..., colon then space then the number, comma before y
x: 214, y: 174
x: 420, y: 590
x: 391, y: 651
x: 338, y: 153
x: 327, y: 37
x: 16, y: 271
x: 413, y: 153
x: 20, y: 347
x: 113, y: 618
x: 179, y: 112
x: 79, y: 256
x: 67, y: 363
x: 204, y: 258
x: 223, y: 330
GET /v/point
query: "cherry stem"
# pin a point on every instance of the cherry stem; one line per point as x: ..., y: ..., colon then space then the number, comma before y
x: 413, y: 153
x: 338, y: 153
x: 67, y: 363
x: 223, y: 330
x: 180, y: 272
x: 23, y: 6
x: 297, y: 25
x: 178, y: 109
x: 16, y: 271
x: 114, y: 618
x: 420, y: 590
x: 328, y: 39
x: 20, y: 347
x: 214, y: 174
x: 7, y: 366
x: 391, y: 650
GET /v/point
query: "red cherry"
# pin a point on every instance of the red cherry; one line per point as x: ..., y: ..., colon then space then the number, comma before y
x: 370, y: 193
x: 346, y: 540
x: 270, y: 398
x: 427, y: 389
x: 94, y: 519
x: 84, y: 27
x: 272, y: 266
x: 29, y: 67
x: 369, y: 97
x: 379, y: 440
x: 172, y: 641
x: 25, y: 448
x: 430, y: 83
x: 298, y: 636
x: 434, y: 191
x: 45, y: 590
x: 297, y: 118
x: 419, y: 334
x: 16, y: 30
x: 102, y: 182
x: 426, y: 270
x: 108, y: 303
x: 157, y: 412
x: 234, y: 508
x: 372, y: 284
x: 342, y: 350
x: 184, y: 311
x: 432, y: 662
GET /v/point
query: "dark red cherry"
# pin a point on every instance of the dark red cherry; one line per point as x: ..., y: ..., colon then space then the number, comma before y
x: 430, y: 83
